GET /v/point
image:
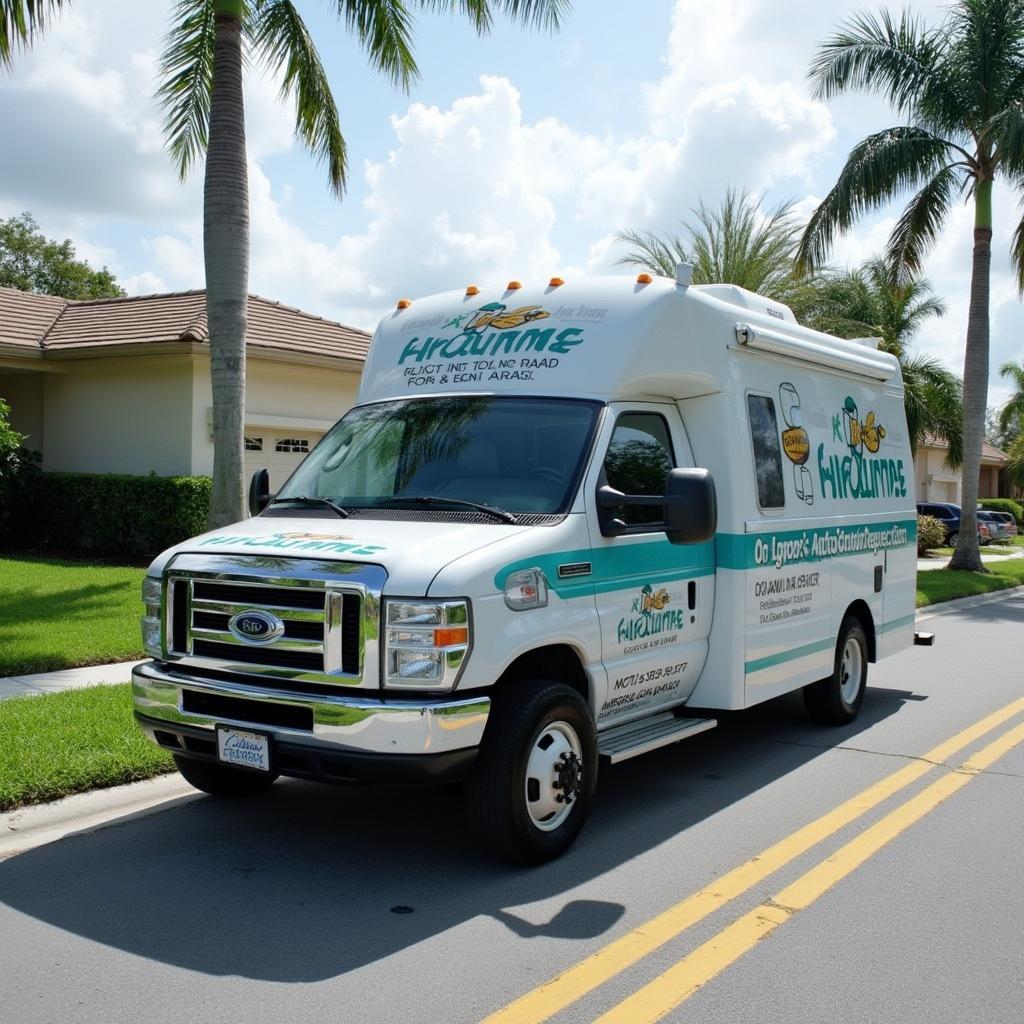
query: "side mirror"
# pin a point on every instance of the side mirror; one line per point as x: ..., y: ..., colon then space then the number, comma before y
x: 691, y: 509
x: 259, y: 492
x: 691, y: 506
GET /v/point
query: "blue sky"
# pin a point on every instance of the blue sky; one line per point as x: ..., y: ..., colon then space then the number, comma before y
x: 520, y: 154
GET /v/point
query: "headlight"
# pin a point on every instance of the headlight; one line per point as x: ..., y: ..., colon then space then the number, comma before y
x: 151, y: 593
x: 425, y: 643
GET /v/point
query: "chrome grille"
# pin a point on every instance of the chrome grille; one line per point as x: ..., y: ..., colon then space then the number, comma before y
x: 327, y: 610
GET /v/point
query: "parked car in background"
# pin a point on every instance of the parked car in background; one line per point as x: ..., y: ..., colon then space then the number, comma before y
x: 1008, y: 522
x: 949, y: 515
x: 997, y: 527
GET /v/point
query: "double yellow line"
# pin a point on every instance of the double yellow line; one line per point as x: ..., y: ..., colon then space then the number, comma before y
x: 679, y: 982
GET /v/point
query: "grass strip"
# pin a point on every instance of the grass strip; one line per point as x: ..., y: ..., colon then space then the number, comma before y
x: 68, y: 742
x: 57, y: 613
x: 938, y: 585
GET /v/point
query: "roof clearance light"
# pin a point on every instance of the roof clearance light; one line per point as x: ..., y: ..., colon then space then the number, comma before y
x: 555, y: 282
x: 514, y: 286
x: 404, y: 303
x: 472, y: 290
x: 644, y: 279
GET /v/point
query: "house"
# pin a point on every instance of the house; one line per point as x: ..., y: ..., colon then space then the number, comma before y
x: 937, y: 482
x: 123, y: 385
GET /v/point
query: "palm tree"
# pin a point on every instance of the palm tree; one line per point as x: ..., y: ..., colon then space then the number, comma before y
x: 736, y: 243
x: 959, y: 87
x: 20, y: 22
x: 202, y: 98
x: 1011, y: 416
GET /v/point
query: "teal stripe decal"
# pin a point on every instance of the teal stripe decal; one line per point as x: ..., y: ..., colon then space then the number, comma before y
x: 788, y: 547
x: 896, y: 623
x: 622, y: 567
x: 784, y: 656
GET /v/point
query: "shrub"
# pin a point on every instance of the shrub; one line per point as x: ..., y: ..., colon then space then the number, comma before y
x: 19, y: 468
x: 1015, y: 508
x: 110, y: 513
x: 930, y: 534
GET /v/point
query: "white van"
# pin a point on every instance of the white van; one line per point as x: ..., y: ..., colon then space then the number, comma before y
x: 558, y: 519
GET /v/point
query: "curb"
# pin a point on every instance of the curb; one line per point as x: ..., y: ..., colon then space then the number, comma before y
x: 35, y: 825
x: 929, y: 611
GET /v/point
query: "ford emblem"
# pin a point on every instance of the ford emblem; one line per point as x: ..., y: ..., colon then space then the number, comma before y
x: 256, y: 627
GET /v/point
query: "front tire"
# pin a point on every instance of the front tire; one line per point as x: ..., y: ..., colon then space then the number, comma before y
x: 836, y: 699
x: 534, y: 780
x: 952, y: 539
x: 221, y: 779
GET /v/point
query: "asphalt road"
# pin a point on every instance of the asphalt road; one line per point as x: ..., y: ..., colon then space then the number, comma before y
x: 329, y: 905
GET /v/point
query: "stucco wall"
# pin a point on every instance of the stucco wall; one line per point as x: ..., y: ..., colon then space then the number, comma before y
x: 279, y: 396
x: 945, y: 482
x: 119, y: 415
x: 24, y: 393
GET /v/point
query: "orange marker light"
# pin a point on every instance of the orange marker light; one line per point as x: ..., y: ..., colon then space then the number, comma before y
x: 404, y: 303
x: 644, y: 279
x: 514, y: 286
x: 450, y: 636
x: 472, y: 290
x: 555, y: 282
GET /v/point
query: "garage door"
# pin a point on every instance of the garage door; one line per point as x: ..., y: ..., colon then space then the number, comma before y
x: 279, y: 449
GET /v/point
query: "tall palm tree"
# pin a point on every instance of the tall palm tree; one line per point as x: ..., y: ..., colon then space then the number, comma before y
x: 959, y: 88
x: 203, y: 101
x: 21, y: 21
x: 737, y: 243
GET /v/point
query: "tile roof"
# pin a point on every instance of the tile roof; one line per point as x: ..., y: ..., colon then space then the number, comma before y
x: 53, y: 325
x: 988, y: 451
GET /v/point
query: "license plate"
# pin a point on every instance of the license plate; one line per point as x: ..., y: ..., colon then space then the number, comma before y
x: 243, y: 748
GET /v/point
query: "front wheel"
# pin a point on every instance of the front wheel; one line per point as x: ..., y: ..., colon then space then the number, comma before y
x: 953, y: 538
x: 533, y: 785
x: 836, y: 699
x: 221, y: 779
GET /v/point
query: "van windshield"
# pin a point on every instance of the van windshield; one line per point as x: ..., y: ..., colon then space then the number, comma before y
x: 524, y: 455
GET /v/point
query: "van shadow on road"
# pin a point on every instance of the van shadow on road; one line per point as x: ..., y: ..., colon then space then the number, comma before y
x: 298, y: 885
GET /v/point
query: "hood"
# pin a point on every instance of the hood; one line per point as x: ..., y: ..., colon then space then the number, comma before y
x: 413, y: 553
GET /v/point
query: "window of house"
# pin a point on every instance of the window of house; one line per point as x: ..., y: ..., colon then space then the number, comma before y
x: 764, y: 433
x: 639, y: 458
x: 254, y: 444
x: 292, y: 444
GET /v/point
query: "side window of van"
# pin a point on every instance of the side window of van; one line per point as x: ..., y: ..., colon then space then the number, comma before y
x: 764, y: 433
x: 638, y: 460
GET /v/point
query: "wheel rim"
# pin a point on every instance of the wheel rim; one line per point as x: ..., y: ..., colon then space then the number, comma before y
x: 554, y: 775
x: 851, y: 668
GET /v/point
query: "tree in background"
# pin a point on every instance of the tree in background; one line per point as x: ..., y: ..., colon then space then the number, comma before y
x: 205, y: 114
x: 739, y: 243
x: 20, y: 22
x: 736, y: 243
x: 959, y: 88
x: 1011, y: 422
x: 34, y: 263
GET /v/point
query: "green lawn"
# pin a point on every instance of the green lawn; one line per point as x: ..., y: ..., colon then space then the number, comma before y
x: 62, y: 743
x: 59, y: 614
x: 937, y: 585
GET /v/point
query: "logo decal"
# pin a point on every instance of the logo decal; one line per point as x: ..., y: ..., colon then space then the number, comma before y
x: 861, y: 434
x: 256, y: 627
x: 501, y: 318
x: 795, y: 442
x: 857, y: 475
x: 650, y: 615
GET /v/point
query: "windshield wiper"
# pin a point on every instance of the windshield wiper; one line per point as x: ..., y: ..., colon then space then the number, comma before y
x: 309, y: 499
x: 430, y: 499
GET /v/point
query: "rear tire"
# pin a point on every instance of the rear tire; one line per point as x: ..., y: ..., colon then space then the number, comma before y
x: 952, y: 539
x: 836, y: 699
x: 221, y: 779
x: 540, y: 747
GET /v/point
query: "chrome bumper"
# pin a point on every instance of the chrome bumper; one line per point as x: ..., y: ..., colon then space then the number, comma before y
x: 343, y: 722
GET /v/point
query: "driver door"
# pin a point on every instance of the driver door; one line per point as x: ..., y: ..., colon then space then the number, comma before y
x: 654, y: 598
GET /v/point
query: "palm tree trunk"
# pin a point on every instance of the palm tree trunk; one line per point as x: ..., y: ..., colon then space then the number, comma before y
x: 968, y: 554
x: 226, y: 256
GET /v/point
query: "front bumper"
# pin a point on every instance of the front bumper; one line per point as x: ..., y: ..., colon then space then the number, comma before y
x: 381, y: 734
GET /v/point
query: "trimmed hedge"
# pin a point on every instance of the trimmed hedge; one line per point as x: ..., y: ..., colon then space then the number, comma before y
x: 1015, y: 508
x: 110, y: 513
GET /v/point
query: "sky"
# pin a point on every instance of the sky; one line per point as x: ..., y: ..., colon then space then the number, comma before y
x: 518, y: 155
